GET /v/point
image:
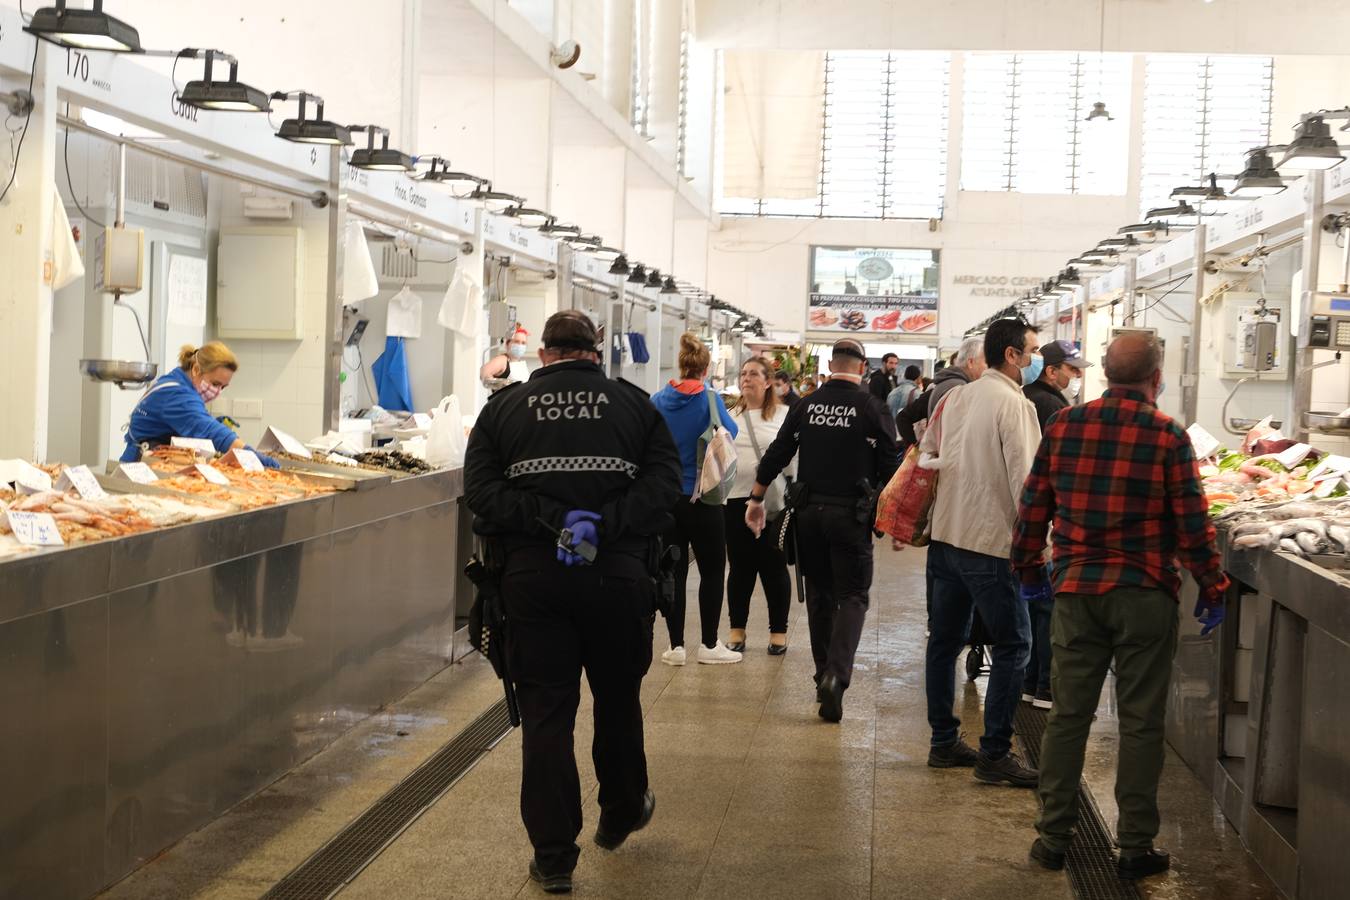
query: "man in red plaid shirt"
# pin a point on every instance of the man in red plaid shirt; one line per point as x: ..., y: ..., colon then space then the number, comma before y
x: 1120, y: 481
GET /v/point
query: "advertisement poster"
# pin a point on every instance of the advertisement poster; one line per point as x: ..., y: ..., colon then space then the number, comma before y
x: 874, y: 290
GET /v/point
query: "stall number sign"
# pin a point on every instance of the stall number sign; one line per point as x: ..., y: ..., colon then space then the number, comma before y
x: 246, y: 460
x: 211, y: 474
x: 201, y: 445
x: 83, y: 482
x: 138, y: 472
x: 34, y: 529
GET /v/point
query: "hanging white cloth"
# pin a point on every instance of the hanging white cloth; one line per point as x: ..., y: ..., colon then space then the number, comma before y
x: 404, y: 318
x: 66, y: 263
x: 462, y: 307
x: 359, y: 281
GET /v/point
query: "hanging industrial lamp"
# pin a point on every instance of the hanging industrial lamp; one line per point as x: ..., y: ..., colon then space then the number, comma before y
x: 619, y: 266
x: 1166, y: 212
x: 1259, y: 177
x: 86, y: 29
x: 493, y: 201
x: 460, y: 184
x: 562, y: 231
x: 317, y: 130
x: 638, y: 275
x: 221, y: 96
x: 382, y: 158
x: 653, y: 279
x: 1099, y: 112
x: 669, y: 286
x: 527, y: 217
x: 1313, y: 146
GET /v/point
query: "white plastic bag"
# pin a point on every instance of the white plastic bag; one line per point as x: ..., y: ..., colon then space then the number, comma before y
x: 445, y: 440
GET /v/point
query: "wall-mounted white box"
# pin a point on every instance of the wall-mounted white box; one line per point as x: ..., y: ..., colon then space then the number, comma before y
x: 247, y: 409
x: 259, y: 283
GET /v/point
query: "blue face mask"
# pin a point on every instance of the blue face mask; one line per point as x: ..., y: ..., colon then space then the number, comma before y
x: 1032, y: 372
x: 1162, y: 386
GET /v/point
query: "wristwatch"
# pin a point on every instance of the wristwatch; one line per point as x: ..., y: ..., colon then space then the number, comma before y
x: 753, y: 499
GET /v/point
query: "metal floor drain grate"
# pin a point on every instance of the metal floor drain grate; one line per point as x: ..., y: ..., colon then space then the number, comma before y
x: 336, y: 863
x: 1091, y: 866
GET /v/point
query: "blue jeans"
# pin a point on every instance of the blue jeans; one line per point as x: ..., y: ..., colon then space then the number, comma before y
x: 963, y: 582
x: 1037, y: 677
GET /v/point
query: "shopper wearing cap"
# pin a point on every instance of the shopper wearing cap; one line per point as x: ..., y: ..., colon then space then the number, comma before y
x: 1060, y: 380
x: 984, y: 442
x: 1053, y: 391
x: 571, y: 449
x: 844, y: 440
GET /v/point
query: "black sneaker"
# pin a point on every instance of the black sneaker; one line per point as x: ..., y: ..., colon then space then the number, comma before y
x: 1142, y: 863
x: 552, y: 884
x: 831, y: 694
x: 1043, y: 700
x: 1007, y: 769
x: 611, y: 840
x: 1047, y: 856
x: 953, y: 755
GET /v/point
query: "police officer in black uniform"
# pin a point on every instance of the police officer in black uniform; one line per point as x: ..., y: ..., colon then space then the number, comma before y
x: 845, y: 438
x: 571, y: 449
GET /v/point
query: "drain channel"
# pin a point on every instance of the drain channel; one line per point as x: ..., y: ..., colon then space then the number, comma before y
x: 1091, y: 867
x: 336, y: 863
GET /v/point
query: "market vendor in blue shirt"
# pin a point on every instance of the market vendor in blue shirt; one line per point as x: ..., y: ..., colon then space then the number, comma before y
x: 176, y: 405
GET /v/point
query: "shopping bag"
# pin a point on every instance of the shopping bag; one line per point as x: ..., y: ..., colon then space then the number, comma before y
x: 905, y: 507
x: 718, y: 469
x: 445, y: 438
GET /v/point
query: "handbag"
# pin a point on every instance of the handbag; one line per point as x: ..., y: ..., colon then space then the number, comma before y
x: 773, y: 497
x: 717, y: 472
x: 905, y: 507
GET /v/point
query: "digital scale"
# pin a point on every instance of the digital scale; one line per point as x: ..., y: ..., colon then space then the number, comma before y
x: 1329, y: 322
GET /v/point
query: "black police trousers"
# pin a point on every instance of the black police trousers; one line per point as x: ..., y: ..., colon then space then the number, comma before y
x: 562, y: 621
x: 834, y: 551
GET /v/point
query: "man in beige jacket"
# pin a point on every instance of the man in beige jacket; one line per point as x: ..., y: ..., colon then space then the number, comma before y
x: 984, y: 445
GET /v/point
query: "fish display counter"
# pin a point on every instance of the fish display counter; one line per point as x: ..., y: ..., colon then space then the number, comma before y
x: 181, y: 653
x: 1260, y: 709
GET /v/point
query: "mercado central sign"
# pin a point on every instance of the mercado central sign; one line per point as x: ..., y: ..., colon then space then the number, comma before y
x: 1011, y: 286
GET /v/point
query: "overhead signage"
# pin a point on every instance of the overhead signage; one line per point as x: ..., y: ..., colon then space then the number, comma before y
x: 400, y: 194
x: 874, y: 290
x: 498, y: 230
x: 1011, y: 286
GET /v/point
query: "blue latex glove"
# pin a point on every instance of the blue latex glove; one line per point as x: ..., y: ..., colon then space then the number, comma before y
x: 1211, y: 618
x: 584, y: 526
x: 1034, y: 593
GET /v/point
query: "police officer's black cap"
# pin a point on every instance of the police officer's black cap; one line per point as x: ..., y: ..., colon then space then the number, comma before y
x: 850, y: 347
x: 571, y: 329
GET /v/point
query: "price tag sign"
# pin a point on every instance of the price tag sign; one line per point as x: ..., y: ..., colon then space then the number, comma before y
x: 201, y: 445
x: 1205, y: 444
x: 26, y: 477
x: 1294, y: 455
x: 211, y: 474
x: 34, y: 529
x: 421, y: 420
x: 81, y: 481
x: 1329, y: 466
x: 245, y: 459
x: 276, y: 439
x: 138, y: 472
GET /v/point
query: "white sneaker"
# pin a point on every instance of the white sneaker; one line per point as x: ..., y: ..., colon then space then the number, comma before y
x: 1028, y: 698
x: 717, y: 654
x: 673, y: 657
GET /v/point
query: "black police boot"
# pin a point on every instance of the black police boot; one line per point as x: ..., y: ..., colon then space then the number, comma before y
x: 552, y: 884
x: 611, y: 840
x: 831, y: 694
x: 1045, y: 855
x: 1142, y: 863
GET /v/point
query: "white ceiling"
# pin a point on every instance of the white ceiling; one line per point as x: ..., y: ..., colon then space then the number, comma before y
x: 1316, y: 27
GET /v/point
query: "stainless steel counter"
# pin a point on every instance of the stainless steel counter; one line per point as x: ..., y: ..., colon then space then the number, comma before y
x: 1262, y: 715
x: 148, y: 684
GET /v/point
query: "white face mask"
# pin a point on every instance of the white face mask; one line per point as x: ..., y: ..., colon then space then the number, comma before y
x: 781, y: 390
x: 208, y: 391
x: 516, y: 351
x: 1071, y: 391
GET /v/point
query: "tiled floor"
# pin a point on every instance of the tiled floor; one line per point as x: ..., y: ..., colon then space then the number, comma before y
x: 756, y: 795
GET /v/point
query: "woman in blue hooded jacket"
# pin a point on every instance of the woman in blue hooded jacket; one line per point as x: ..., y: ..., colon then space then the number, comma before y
x: 175, y: 406
x: 684, y: 404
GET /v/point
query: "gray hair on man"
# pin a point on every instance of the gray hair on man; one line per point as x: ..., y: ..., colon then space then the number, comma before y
x: 1133, y: 358
x: 971, y: 348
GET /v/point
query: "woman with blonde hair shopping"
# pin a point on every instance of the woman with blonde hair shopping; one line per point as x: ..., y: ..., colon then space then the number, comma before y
x: 760, y: 414
x: 687, y: 404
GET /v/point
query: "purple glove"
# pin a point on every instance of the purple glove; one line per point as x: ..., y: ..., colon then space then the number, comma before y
x: 1210, y: 617
x: 583, y: 525
x: 1039, y: 592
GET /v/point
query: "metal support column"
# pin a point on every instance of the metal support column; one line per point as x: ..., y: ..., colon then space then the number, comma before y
x: 1312, y: 265
x: 1190, y: 378
x: 332, y: 323
x: 1131, y: 301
